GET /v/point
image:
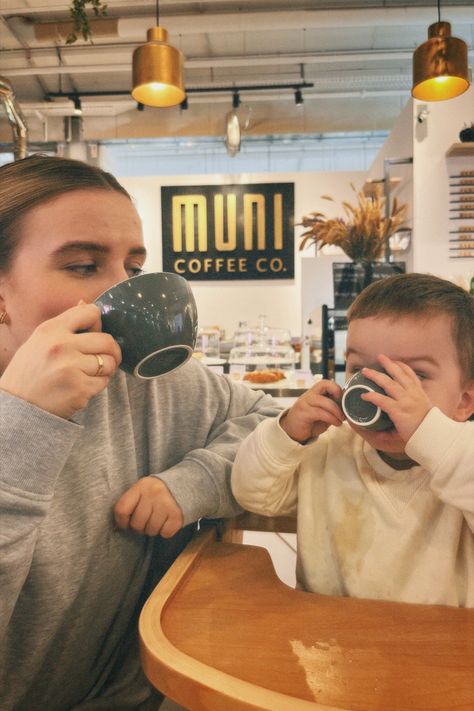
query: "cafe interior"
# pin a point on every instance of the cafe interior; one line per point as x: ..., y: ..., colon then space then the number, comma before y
x: 240, y: 128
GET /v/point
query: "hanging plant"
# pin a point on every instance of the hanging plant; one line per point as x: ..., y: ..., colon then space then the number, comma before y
x: 80, y: 21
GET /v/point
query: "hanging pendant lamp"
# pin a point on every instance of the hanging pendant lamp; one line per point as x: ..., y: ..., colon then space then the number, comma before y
x: 440, y: 68
x: 232, y: 127
x: 158, y: 70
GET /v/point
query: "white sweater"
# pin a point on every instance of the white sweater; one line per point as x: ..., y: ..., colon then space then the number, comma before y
x: 366, y: 530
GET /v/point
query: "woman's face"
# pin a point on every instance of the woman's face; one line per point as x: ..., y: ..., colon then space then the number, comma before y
x: 72, y: 247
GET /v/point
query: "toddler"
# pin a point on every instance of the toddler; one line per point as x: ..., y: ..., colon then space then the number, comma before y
x: 390, y: 514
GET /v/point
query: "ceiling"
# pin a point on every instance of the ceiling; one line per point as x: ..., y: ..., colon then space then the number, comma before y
x: 356, y: 55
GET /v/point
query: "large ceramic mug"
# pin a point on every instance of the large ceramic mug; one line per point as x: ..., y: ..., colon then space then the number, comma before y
x: 360, y: 412
x: 153, y: 318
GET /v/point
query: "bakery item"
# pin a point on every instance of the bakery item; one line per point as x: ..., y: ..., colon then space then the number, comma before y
x: 264, y: 376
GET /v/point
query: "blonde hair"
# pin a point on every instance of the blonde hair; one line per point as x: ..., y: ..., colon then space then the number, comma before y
x: 35, y: 180
x: 420, y: 295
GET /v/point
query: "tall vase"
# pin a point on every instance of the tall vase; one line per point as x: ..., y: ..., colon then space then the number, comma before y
x: 350, y: 278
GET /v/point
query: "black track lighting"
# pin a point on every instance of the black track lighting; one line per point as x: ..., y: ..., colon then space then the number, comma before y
x: 298, y: 97
x: 76, y: 100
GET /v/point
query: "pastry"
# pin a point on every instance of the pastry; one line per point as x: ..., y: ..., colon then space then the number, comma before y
x: 264, y: 376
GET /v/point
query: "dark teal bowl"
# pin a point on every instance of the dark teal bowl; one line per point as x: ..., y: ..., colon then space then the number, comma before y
x: 153, y: 318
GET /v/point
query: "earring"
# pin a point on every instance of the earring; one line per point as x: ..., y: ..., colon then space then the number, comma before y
x: 3, y: 317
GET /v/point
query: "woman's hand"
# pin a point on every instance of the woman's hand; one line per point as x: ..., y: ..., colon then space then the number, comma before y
x: 148, y: 507
x: 57, y: 367
x: 314, y: 412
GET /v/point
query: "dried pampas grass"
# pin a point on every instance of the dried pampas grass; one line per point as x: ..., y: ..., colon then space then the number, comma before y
x: 364, y: 231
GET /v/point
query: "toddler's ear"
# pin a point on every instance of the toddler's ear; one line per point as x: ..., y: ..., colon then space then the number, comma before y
x: 465, y: 410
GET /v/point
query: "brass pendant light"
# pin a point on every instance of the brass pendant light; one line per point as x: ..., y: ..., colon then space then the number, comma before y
x: 158, y: 70
x: 440, y: 68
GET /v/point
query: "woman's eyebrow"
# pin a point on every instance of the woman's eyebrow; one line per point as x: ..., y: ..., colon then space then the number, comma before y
x: 86, y: 246
x: 81, y: 246
x: 138, y: 251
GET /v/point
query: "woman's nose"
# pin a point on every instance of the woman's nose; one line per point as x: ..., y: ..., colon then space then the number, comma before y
x: 119, y: 273
x: 110, y: 277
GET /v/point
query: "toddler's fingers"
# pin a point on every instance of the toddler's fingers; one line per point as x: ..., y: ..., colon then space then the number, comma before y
x: 398, y: 371
x: 125, y: 506
x: 172, y: 525
x: 141, y: 515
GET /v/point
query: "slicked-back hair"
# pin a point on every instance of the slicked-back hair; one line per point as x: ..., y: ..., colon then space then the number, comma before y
x: 420, y: 295
x: 33, y: 181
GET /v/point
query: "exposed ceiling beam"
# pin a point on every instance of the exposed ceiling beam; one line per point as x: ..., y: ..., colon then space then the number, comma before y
x: 64, y: 5
x: 135, y: 27
x: 421, y: 10
x: 220, y: 62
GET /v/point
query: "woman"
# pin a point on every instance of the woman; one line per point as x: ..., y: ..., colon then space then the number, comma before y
x: 77, y: 433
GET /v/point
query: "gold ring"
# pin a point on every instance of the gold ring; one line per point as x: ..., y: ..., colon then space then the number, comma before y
x: 100, y: 365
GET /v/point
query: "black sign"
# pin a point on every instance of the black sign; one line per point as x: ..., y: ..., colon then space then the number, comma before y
x: 229, y: 231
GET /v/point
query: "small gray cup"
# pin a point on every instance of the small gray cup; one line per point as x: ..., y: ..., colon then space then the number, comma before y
x: 360, y: 412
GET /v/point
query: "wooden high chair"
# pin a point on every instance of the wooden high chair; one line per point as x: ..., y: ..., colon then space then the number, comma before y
x: 221, y: 632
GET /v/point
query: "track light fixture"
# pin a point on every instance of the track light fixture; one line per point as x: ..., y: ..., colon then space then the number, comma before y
x: 440, y: 69
x: 158, y: 70
x: 299, y: 97
x: 234, y: 91
x: 184, y: 104
x: 76, y: 100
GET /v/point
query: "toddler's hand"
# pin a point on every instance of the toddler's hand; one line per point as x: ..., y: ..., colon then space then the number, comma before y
x: 314, y: 412
x: 405, y: 402
x: 148, y: 507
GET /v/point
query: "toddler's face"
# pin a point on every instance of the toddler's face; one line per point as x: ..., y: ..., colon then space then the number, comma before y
x: 426, y: 345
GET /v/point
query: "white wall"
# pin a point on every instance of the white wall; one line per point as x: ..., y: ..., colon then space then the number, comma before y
x: 432, y: 138
x: 226, y: 303
x: 399, y: 145
x: 426, y: 185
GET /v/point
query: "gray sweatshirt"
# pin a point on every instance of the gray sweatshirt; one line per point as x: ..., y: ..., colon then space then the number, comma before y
x: 71, y: 586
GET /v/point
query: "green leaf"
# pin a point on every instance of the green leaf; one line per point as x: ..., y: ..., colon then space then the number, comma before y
x: 80, y: 21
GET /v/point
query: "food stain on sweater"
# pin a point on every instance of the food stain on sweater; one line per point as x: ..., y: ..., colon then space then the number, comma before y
x: 353, y: 533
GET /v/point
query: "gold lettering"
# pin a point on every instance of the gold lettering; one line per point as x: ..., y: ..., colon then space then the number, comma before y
x: 189, y: 204
x: 210, y: 265
x: 251, y: 199
x: 276, y: 264
x: 260, y: 261
x: 221, y: 243
x: 277, y: 221
x: 194, y: 266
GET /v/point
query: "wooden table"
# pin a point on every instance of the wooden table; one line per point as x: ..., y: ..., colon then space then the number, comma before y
x: 222, y: 633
